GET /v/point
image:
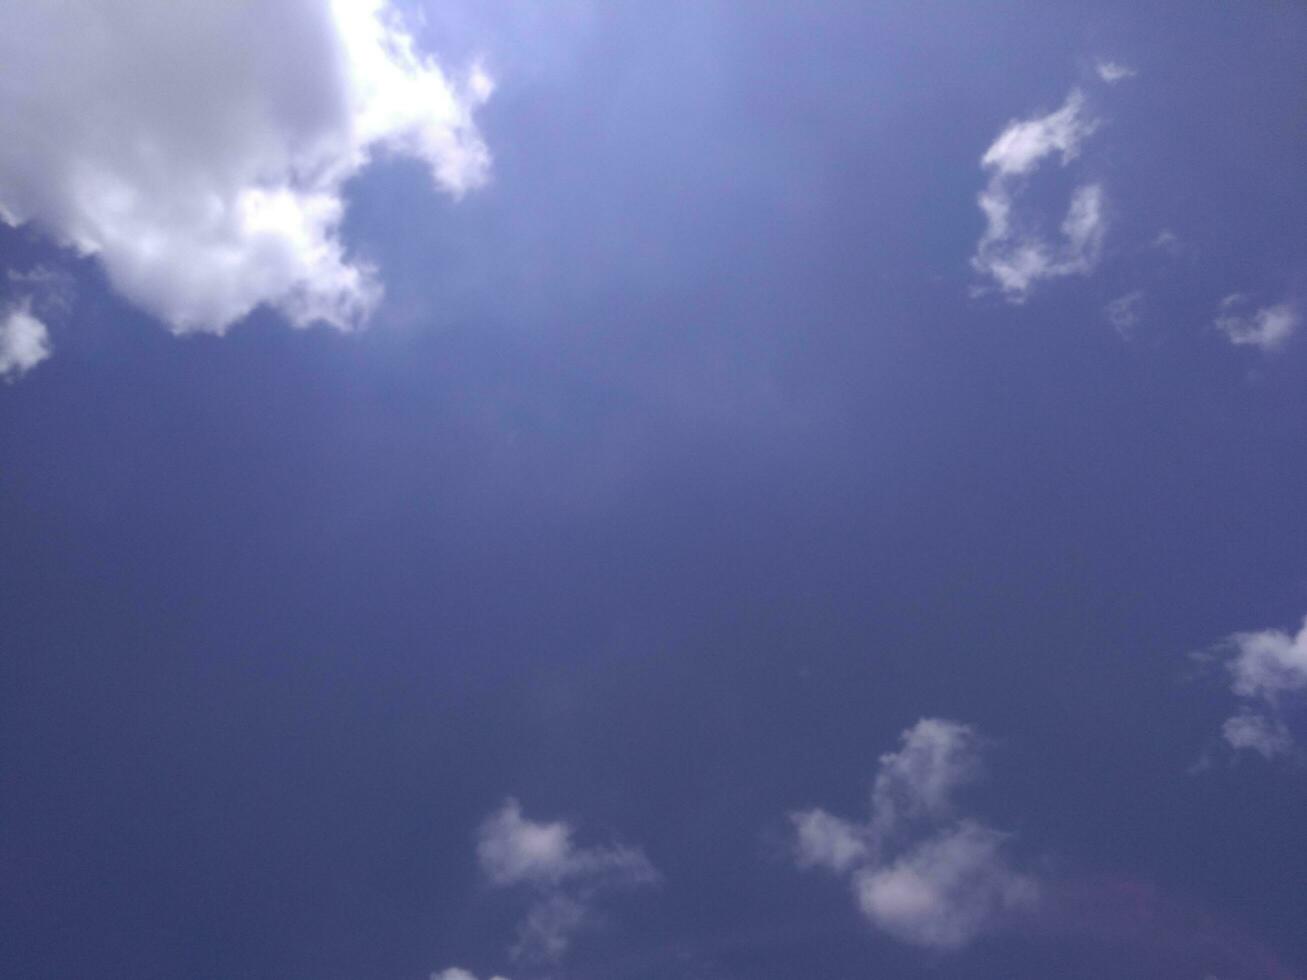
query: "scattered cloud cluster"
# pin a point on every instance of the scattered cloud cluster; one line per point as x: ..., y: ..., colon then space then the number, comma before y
x: 919, y: 871
x: 1267, y: 672
x: 24, y: 342
x: 1267, y: 327
x: 564, y: 879
x: 1012, y: 251
x: 200, y: 150
x: 1017, y: 253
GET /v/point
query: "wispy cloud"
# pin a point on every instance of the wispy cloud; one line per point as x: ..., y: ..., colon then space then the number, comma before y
x: 1125, y: 312
x: 1113, y: 71
x: 1267, y: 327
x: 1168, y: 241
x: 919, y: 871
x: 1011, y: 252
x: 457, y: 973
x: 564, y: 879
x: 1024, y: 144
x: 200, y: 150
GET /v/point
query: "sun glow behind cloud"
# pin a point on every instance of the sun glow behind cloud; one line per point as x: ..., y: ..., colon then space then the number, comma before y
x: 200, y: 150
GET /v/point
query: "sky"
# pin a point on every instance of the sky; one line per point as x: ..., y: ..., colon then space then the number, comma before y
x: 521, y: 490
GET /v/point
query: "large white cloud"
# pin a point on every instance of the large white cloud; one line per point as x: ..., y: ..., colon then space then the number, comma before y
x: 24, y: 342
x: 564, y: 879
x: 919, y: 872
x: 199, y: 149
x: 1012, y: 251
x: 1267, y: 672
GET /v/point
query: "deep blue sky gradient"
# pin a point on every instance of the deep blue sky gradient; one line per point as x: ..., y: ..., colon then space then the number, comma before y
x: 680, y: 472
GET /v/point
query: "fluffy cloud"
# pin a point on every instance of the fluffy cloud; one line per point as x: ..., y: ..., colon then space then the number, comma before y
x: 24, y: 342
x: 1010, y: 251
x: 1266, y: 328
x: 945, y: 891
x: 565, y: 879
x: 1267, y: 672
x: 919, y: 872
x: 199, y: 150
x: 455, y: 973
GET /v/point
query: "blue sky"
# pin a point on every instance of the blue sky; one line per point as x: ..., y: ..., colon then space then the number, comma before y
x: 587, y: 490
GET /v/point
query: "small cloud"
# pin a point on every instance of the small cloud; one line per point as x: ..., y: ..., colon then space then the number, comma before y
x: 1113, y: 71
x: 24, y: 342
x: 920, y: 873
x: 937, y: 758
x: 547, y: 931
x: 1009, y: 251
x: 513, y: 849
x: 565, y: 879
x: 1267, y: 736
x: 826, y: 841
x: 1167, y: 241
x: 1125, y: 312
x: 480, y: 85
x: 1024, y: 144
x: 456, y: 973
x: 1267, y: 673
x: 1266, y: 328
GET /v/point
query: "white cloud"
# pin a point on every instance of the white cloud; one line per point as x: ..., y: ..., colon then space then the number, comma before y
x: 1260, y: 733
x: 826, y: 841
x: 946, y: 891
x: 1269, y: 663
x: 1125, y: 312
x: 1266, y: 328
x: 918, y: 872
x: 199, y: 150
x: 514, y: 850
x: 24, y: 342
x: 1011, y: 252
x: 1267, y: 673
x: 455, y: 973
x: 919, y: 780
x: 1024, y: 144
x: 1113, y: 71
